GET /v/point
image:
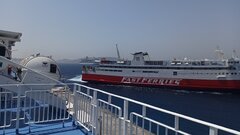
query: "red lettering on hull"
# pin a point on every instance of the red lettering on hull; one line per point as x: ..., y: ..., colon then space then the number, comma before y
x: 151, y: 81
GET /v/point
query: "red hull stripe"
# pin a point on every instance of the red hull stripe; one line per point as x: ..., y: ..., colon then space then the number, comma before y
x: 181, y: 83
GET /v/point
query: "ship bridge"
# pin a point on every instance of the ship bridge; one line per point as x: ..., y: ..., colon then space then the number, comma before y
x: 7, y: 40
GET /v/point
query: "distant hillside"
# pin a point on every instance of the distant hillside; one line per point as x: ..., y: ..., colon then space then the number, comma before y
x: 17, y: 60
x: 69, y: 61
x: 85, y: 60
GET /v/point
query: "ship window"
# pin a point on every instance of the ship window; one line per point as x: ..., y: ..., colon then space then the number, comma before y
x: 111, y: 70
x: 1, y: 64
x: 232, y: 68
x: 150, y: 71
x: 53, y: 68
x: 175, y: 73
x: 2, y: 51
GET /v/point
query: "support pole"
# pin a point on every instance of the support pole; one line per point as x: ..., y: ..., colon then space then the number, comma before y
x: 74, y: 105
x: 18, y: 109
x: 125, y: 117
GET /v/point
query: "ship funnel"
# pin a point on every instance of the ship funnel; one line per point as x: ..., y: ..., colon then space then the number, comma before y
x: 138, y: 58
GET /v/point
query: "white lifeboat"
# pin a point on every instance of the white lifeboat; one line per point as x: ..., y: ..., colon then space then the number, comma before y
x: 43, y: 65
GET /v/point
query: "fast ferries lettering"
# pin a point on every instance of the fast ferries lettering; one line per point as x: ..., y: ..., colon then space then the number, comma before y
x: 151, y: 81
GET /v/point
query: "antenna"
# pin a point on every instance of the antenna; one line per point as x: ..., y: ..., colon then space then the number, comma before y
x: 220, y: 54
x: 234, y: 55
x: 118, y: 54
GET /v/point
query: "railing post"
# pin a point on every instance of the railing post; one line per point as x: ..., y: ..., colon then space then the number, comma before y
x: 176, y: 124
x: 18, y: 108
x: 213, y: 131
x: 74, y: 105
x: 109, y: 99
x: 95, y: 112
x: 144, y: 115
x: 131, y: 124
x: 125, y: 117
x: 88, y: 91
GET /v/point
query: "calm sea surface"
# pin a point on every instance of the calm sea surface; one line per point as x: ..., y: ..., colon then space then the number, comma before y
x: 218, y: 108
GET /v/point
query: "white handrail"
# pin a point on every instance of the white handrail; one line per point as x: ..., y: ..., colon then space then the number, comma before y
x: 211, y: 125
x: 213, y: 128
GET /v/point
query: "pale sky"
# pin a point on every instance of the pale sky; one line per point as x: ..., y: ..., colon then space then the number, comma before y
x: 165, y: 29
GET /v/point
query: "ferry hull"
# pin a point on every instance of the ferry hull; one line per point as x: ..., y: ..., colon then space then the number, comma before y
x: 193, y: 84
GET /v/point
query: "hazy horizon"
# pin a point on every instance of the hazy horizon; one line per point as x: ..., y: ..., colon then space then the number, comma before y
x: 165, y: 29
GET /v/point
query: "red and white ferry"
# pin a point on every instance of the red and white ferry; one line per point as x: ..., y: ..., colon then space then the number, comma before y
x: 223, y: 74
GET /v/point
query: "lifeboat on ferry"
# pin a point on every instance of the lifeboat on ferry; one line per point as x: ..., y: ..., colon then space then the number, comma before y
x: 43, y: 64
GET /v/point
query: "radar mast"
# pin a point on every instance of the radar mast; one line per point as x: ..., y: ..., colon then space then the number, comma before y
x: 118, y: 54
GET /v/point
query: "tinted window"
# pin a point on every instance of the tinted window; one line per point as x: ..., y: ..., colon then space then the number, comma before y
x: 174, y: 73
x: 53, y: 68
x: 2, y: 51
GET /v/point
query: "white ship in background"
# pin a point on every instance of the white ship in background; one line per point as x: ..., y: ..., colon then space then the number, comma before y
x: 222, y: 74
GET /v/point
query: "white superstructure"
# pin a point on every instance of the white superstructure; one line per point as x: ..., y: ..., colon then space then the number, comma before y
x: 212, y: 74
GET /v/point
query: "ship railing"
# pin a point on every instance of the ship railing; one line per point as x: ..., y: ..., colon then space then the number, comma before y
x: 5, y: 121
x: 98, y: 111
x: 82, y: 109
x: 118, y: 115
x: 32, y: 104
